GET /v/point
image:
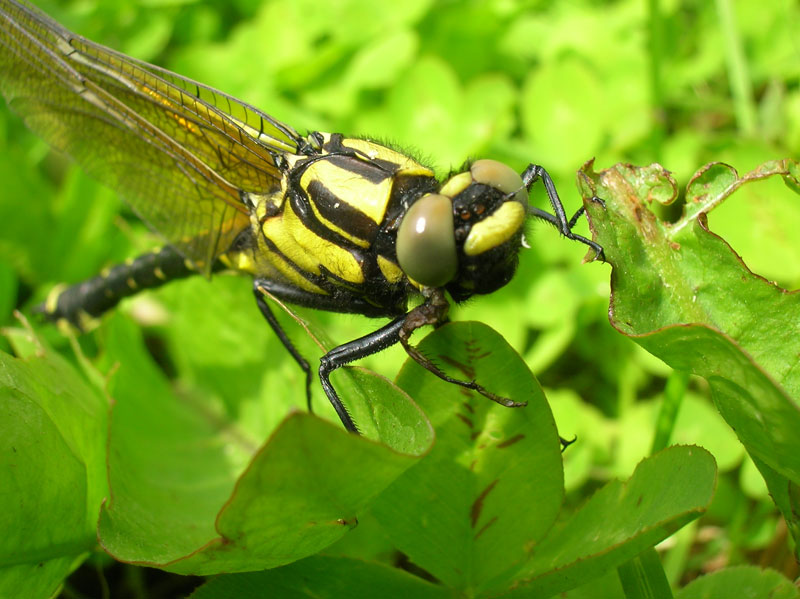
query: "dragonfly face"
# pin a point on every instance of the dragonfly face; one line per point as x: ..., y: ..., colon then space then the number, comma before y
x: 325, y: 221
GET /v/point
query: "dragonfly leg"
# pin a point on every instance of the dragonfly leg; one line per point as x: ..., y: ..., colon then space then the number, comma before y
x: 287, y: 343
x: 384, y: 337
x: 533, y: 173
x: 433, y: 312
x: 338, y: 356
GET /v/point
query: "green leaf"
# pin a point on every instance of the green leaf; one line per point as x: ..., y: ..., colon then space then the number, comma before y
x: 322, y: 578
x: 785, y: 494
x: 621, y: 520
x: 190, y: 495
x: 52, y: 464
x: 761, y: 222
x: 715, y: 182
x: 607, y: 586
x: 682, y: 293
x: 493, y: 483
x: 742, y: 582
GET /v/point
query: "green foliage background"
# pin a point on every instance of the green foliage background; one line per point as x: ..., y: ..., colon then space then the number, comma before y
x: 678, y: 82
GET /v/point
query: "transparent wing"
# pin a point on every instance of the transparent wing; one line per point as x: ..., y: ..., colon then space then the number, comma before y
x: 179, y: 152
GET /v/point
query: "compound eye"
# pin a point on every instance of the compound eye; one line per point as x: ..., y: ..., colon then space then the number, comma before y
x: 500, y: 176
x: 426, y: 246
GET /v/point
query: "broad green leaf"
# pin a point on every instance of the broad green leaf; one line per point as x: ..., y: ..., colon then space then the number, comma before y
x: 493, y: 484
x: 684, y: 295
x: 785, y: 493
x: 742, y: 582
x: 190, y: 495
x: 323, y: 578
x: 761, y: 224
x: 620, y: 521
x: 52, y: 468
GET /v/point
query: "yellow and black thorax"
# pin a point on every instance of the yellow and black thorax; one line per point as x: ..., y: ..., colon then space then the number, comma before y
x: 329, y: 230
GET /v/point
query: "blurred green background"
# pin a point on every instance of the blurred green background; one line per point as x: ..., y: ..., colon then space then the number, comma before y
x: 676, y: 82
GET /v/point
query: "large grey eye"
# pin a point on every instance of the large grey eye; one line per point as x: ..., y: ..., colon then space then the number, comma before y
x: 500, y: 176
x: 426, y: 247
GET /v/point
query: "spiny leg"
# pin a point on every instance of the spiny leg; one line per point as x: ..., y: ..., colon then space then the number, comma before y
x: 533, y: 173
x: 580, y: 211
x: 338, y: 356
x: 284, y: 338
x: 362, y: 347
x: 433, y: 312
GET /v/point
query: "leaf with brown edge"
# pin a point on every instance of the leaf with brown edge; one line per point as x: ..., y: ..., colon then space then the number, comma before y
x: 685, y: 295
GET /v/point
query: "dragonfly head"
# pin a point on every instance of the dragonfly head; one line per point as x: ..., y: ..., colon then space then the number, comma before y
x: 467, y: 236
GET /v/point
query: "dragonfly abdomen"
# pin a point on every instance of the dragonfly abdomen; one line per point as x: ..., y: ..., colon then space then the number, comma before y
x: 81, y: 303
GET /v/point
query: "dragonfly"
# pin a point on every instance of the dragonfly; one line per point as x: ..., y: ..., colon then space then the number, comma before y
x: 321, y: 220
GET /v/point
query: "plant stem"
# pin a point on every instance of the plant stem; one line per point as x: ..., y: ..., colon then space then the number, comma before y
x: 643, y: 577
x: 656, y: 48
x: 741, y: 85
x: 673, y: 397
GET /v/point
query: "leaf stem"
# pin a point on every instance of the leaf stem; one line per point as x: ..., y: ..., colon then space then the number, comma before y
x: 643, y: 577
x: 673, y: 398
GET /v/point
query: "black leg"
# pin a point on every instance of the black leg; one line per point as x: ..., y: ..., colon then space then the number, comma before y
x: 582, y: 210
x: 339, y: 356
x: 287, y: 343
x: 434, y: 312
x: 533, y: 173
x: 575, y: 217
